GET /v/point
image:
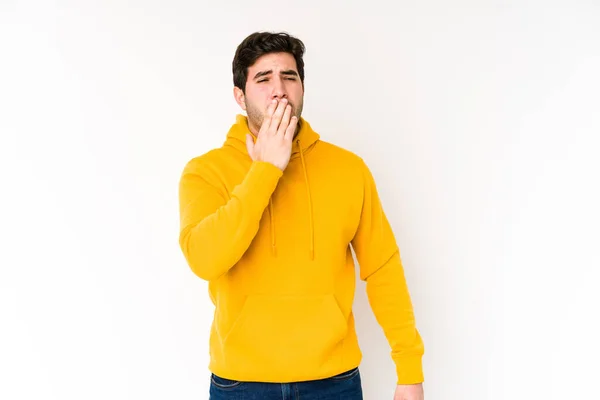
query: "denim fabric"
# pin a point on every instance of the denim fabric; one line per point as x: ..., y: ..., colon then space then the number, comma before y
x: 345, y: 386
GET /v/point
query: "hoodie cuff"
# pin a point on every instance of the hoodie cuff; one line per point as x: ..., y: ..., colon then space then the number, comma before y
x: 260, y: 182
x: 409, y: 370
x: 265, y: 173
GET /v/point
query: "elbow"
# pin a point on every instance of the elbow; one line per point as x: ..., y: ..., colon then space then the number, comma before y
x: 205, y: 270
x: 377, y: 269
x: 202, y: 261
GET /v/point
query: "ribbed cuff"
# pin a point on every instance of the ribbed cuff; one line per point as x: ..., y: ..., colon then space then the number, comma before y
x: 409, y: 370
x: 260, y: 182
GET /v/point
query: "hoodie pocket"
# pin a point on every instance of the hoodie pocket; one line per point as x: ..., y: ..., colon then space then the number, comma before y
x: 286, y: 331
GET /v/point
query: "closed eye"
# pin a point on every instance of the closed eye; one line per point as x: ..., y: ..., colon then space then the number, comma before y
x: 286, y: 78
x: 263, y: 76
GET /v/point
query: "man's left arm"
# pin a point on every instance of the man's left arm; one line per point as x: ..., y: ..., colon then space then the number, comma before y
x: 381, y: 267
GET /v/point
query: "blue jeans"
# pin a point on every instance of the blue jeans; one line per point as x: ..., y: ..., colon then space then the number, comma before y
x: 345, y: 386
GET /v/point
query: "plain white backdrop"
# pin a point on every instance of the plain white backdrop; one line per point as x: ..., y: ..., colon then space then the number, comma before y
x: 479, y: 120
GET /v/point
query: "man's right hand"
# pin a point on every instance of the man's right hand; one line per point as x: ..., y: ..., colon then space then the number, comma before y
x: 274, y: 141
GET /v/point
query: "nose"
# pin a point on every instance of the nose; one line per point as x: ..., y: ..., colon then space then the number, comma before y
x: 278, y: 90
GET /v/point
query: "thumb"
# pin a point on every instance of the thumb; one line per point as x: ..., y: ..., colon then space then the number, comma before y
x: 250, y: 144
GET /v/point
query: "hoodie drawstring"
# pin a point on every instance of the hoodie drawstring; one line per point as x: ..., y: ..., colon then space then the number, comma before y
x: 272, y: 226
x: 310, y: 211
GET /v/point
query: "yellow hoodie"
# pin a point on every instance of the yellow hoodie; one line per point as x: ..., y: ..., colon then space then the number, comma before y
x: 275, y: 249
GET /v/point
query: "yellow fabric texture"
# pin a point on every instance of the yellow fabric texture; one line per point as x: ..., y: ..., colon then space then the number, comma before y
x: 276, y: 250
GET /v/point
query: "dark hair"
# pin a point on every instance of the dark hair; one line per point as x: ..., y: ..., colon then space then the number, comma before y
x: 260, y: 43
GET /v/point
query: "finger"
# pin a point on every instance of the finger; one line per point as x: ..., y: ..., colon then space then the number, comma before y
x: 285, y: 121
x: 277, y: 115
x: 291, y: 129
x: 268, y: 116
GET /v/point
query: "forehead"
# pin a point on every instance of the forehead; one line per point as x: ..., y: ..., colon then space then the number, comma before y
x: 273, y: 61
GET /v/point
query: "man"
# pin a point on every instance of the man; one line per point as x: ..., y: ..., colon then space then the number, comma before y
x: 269, y: 220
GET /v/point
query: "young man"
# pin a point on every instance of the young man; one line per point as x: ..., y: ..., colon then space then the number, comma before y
x: 269, y: 220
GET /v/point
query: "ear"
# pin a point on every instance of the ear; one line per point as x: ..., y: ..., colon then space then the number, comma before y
x: 240, y: 98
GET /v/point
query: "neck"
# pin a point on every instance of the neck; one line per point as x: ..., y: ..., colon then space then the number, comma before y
x: 298, y: 126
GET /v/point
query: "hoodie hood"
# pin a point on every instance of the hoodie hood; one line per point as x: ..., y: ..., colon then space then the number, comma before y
x: 302, y: 143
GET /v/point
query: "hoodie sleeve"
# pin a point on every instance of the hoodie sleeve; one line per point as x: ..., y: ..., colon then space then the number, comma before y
x: 216, y: 231
x: 381, y: 267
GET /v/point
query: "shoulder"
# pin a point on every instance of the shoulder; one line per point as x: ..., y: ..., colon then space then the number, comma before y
x: 205, y: 162
x: 343, y: 156
x: 348, y: 164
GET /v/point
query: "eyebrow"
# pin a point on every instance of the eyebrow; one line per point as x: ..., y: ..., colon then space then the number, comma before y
x: 289, y: 72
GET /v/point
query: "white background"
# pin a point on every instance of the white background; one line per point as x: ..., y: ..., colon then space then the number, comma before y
x: 479, y: 120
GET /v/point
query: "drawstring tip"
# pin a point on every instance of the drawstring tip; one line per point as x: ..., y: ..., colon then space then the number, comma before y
x: 312, y: 254
x: 273, y: 250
